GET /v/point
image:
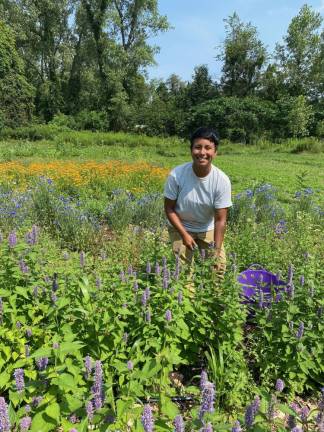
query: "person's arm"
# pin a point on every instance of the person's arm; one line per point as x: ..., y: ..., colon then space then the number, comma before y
x: 220, y: 228
x: 169, y: 207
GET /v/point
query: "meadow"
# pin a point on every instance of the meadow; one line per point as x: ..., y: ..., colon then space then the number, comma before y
x: 98, y: 330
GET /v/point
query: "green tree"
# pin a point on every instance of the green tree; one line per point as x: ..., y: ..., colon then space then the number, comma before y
x: 301, y: 56
x: 243, y: 55
x: 299, y: 117
x: 202, y: 87
x: 16, y: 95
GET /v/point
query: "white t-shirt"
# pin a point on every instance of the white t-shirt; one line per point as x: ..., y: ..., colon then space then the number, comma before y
x: 198, y: 197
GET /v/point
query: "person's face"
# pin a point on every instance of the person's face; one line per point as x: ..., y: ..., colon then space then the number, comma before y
x: 203, y: 152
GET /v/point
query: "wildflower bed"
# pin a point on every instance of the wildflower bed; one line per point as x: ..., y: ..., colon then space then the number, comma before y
x: 99, y: 332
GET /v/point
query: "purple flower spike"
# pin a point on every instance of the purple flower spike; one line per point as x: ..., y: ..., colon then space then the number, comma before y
x: 251, y: 411
x: 36, y: 400
x: 207, y: 399
x: 29, y: 333
x: 179, y: 424
x: 135, y: 286
x: 25, y: 423
x: 4, y: 416
x: 12, y: 239
x: 23, y: 266
x: 148, y: 316
x: 168, y: 315
x: 73, y: 430
x: 297, y: 429
x: 157, y: 269
x: 27, y: 350
x: 304, y: 413
x: 300, y: 331
x: 98, y: 282
x: 89, y: 410
x: 147, y: 419
x: 42, y: 363
x: 203, y: 379
x: 237, y: 427
x: 280, y: 385
x: 207, y: 428
x: 130, y: 365
x: 97, y: 388
x: 19, y: 378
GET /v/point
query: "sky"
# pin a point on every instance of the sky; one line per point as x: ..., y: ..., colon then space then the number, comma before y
x: 199, y: 28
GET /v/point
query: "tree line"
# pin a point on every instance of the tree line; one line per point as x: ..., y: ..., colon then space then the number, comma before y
x: 82, y: 64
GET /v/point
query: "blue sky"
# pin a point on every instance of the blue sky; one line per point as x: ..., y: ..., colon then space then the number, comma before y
x: 198, y: 28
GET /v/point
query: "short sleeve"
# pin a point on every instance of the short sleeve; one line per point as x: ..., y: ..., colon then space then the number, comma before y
x: 223, y: 196
x: 171, y: 188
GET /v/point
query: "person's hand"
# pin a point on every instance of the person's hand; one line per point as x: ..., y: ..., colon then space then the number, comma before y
x: 189, y: 242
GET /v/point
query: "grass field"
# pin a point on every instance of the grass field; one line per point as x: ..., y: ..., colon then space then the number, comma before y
x: 246, y: 165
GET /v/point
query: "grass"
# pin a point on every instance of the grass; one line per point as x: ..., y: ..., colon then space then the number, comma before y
x: 277, y: 164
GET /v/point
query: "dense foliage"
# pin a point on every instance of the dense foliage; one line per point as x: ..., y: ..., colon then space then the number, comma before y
x: 99, y: 330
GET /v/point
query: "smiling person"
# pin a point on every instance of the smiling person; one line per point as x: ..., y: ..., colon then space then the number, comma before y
x: 197, y: 197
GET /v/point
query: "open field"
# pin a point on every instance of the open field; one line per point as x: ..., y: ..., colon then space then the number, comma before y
x: 98, y: 329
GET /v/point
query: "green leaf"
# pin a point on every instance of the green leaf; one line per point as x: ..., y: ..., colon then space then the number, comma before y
x: 4, y: 379
x: 41, y: 352
x: 53, y: 411
x: 70, y: 347
x: 41, y: 424
x: 73, y: 403
x: 65, y: 381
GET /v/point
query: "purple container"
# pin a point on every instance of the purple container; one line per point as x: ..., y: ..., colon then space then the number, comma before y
x: 260, y: 286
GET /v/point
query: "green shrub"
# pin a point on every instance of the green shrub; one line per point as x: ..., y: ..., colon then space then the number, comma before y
x: 311, y: 145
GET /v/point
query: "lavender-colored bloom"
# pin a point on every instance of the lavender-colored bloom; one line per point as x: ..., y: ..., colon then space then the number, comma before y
x: 53, y: 297
x: 42, y: 363
x: 148, y: 267
x: 29, y: 333
x: 56, y: 345
x: 251, y: 411
x: 130, y: 365
x: 12, y: 239
x: 73, y: 418
x: 168, y: 315
x: 280, y: 385
x: 19, y: 378
x: 135, y: 286
x: 297, y: 429
x: 203, y: 379
x: 55, y: 283
x: 82, y: 259
x: 27, y: 408
x: 165, y: 283
x: 207, y: 399
x: 157, y: 269
x: 73, y: 430
x: 35, y: 291
x: 130, y: 270
x: 179, y: 424
x: 300, y: 331
x: 147, y: 419
x: 89, y: 410
x: 148, y: 316
x: 36, y: 400
x: 4, y: 416
x: 27, y: 350
x: 302, y: 280
x: 290, y: 289
x: 237, y: 427
x: 23, y: 266
x: 304, y: 412
x: 180, y: 297
x: 18, y: 325
x: 25, y: 423
x: 97, y: 388
x: 207, y: 428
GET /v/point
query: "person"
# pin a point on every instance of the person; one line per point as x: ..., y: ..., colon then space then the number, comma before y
x: 197, y: 196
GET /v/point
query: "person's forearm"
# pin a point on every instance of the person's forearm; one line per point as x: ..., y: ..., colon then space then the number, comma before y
x: 219, y: 233
x: 176, y: 222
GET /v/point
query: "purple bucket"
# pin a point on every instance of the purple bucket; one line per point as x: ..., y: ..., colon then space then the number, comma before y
x: 260, y: 286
